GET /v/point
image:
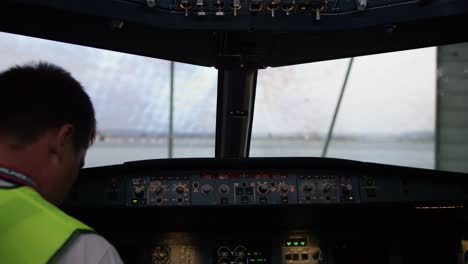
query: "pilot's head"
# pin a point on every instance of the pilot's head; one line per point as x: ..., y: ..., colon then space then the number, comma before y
x: 47, y: 124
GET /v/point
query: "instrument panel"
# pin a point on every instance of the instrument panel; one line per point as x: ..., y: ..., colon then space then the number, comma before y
x: 228, y: 188
x: 253, y: 182
x: 281, y: 188
x: 273, y: 210
x: 294, y: 246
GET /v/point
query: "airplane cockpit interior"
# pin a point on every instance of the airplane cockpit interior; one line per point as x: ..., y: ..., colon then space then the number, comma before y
x: 250, y: 131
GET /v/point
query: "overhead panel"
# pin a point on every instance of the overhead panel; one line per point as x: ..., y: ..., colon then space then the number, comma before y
x: 273, y: 8
x: 266, y: 32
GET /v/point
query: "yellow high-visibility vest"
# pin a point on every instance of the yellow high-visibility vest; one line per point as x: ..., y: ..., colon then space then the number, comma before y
x: 32, y: 230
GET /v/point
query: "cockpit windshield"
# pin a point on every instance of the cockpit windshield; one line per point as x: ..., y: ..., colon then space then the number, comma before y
x: 387, y: 112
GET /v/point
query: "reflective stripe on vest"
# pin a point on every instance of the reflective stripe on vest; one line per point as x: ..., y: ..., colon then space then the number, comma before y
x: 33, y: 230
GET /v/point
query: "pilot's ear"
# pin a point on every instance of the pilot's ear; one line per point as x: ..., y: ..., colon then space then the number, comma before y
x: 61, y: 138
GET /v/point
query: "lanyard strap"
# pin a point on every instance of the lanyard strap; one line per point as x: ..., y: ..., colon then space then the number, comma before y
x: 17, y: 177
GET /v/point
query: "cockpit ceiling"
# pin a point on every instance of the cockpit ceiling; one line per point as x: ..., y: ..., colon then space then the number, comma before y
x: 169, y: 30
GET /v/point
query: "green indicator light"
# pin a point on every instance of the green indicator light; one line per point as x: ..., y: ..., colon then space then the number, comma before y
x: 296, y: 243
x: 288, y: 243
x: 134, y: 201
x: 259, y: 260
x: 350, y: 198
x: 302, y: 243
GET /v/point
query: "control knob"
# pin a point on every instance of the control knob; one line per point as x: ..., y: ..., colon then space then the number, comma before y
x: 223, y: 189
x: 206, y: 188
x: 263, y: 188
x: 180, y: 199
x: 326, y: 188
x: 284, y: 188
x: 158, y: 190
x: 180, y: 189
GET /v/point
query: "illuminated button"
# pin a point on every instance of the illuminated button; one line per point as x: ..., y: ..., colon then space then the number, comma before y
x: 295, y: 256
x: 289, y: 243
x: 240, y: 191
x: 305, y: 256
x: 263, y: 200
x: 295, y: 243
x: 249, y: 190
x: 288, y: 257
x: 134, y: 201
x: 303, y: 243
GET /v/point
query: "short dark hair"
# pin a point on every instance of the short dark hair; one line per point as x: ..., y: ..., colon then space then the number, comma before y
x: 37, y: 97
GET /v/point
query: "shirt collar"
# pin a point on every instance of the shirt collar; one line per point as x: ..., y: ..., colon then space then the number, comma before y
x: 16, y: 177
